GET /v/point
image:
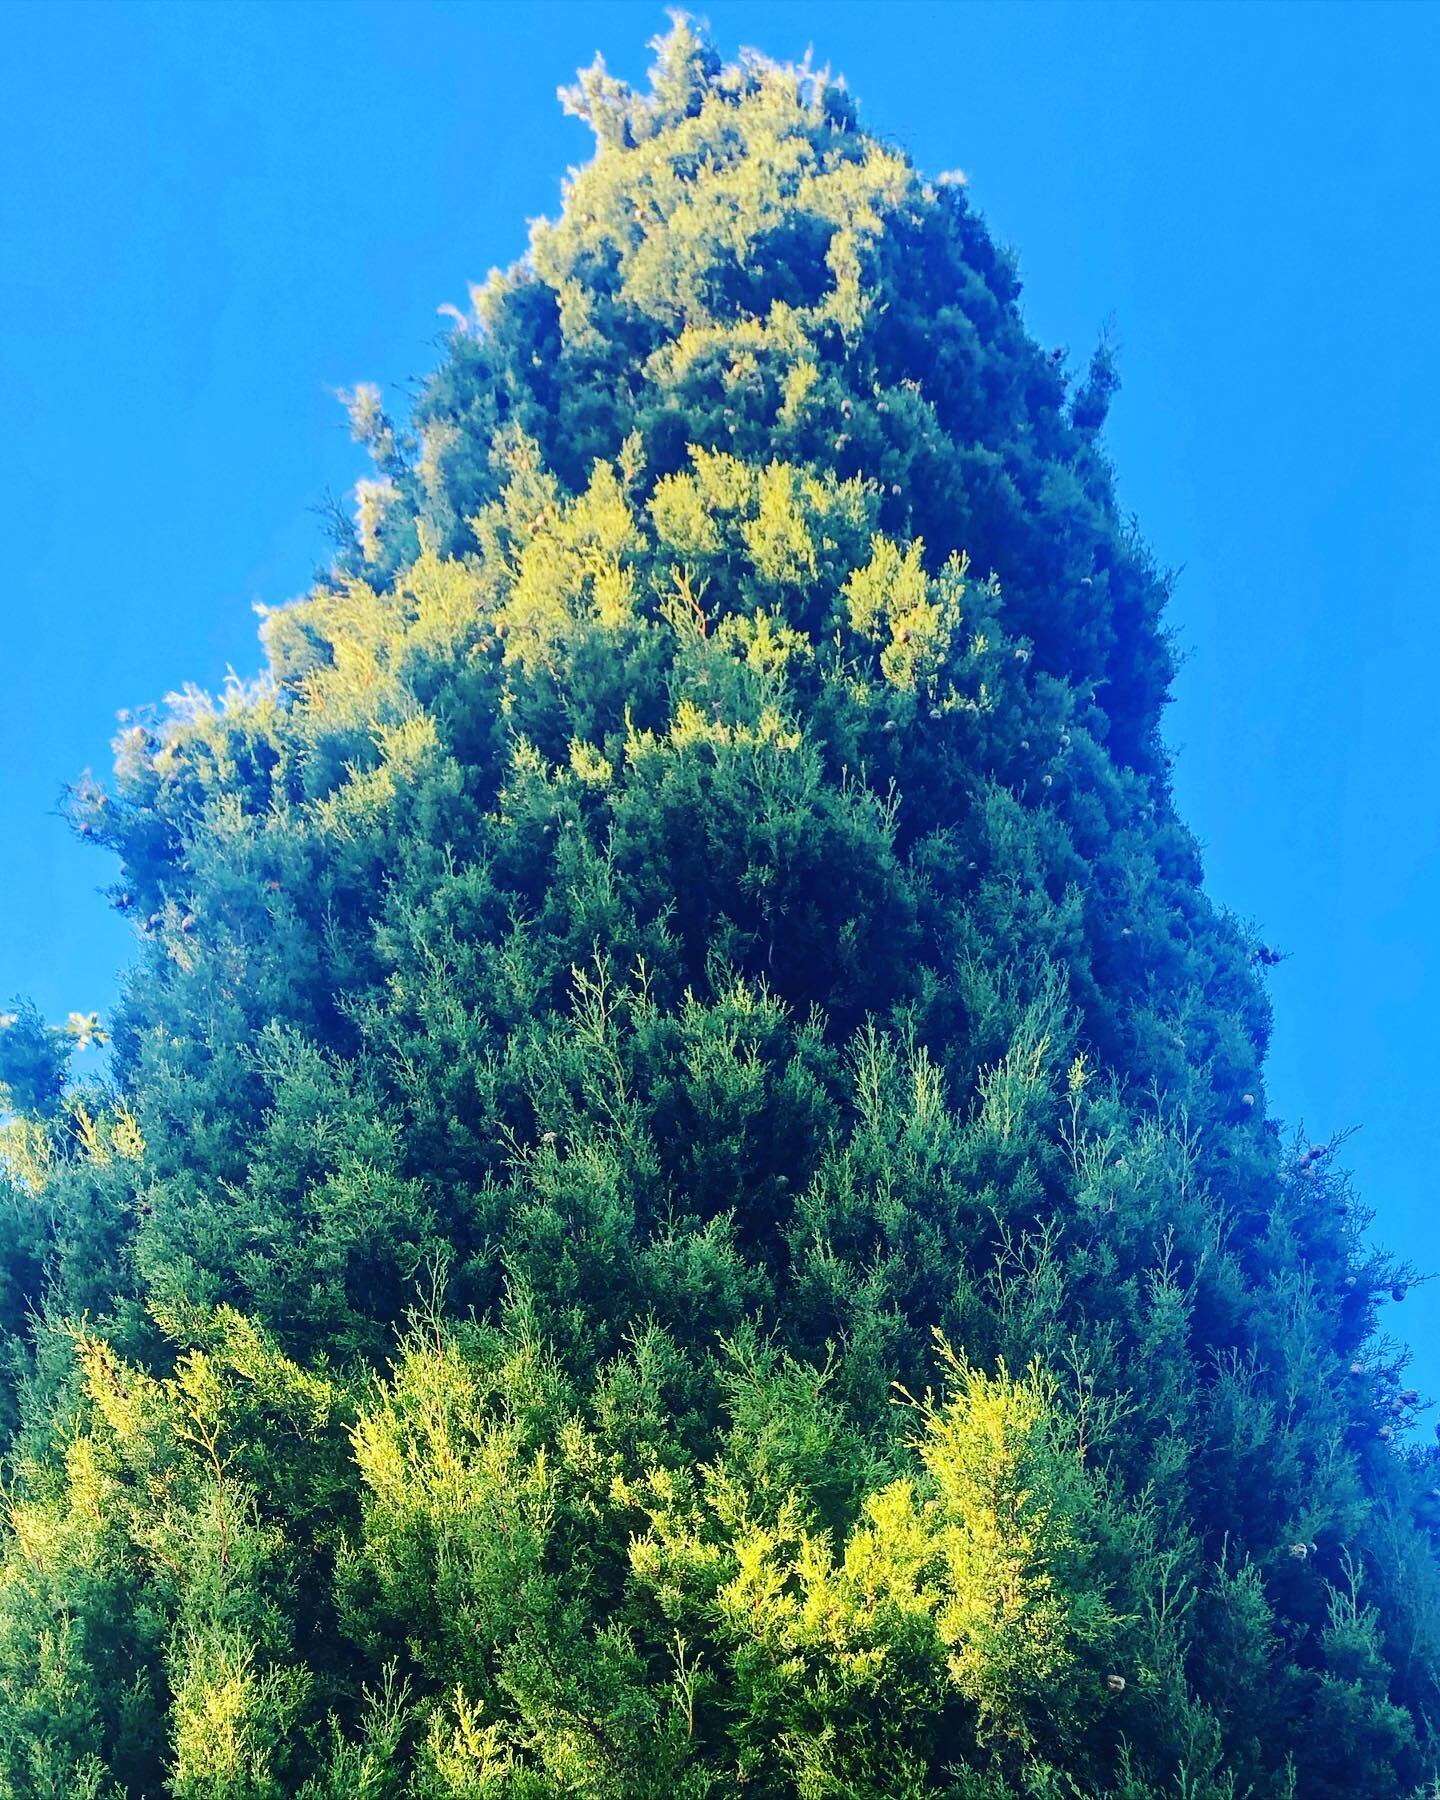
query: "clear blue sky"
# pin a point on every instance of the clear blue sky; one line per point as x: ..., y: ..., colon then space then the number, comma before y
x: 212, y: 215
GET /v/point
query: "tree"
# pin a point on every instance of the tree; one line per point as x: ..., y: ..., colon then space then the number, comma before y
x: 683, y: 1201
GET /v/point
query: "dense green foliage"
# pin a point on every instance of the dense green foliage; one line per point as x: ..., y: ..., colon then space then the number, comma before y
x: 684, y: 1204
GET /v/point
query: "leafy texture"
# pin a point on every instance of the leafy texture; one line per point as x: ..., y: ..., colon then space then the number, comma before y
x: 684, y: 1204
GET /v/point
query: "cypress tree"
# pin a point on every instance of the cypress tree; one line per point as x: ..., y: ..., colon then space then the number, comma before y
x: 684, y: 1203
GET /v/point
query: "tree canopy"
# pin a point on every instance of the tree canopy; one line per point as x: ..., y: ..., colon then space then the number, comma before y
x: 683, y: 1203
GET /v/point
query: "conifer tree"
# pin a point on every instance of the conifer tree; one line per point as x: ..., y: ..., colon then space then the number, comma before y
x: 684, y: 1203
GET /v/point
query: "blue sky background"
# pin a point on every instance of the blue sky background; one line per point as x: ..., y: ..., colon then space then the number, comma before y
x: 213, y: 215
